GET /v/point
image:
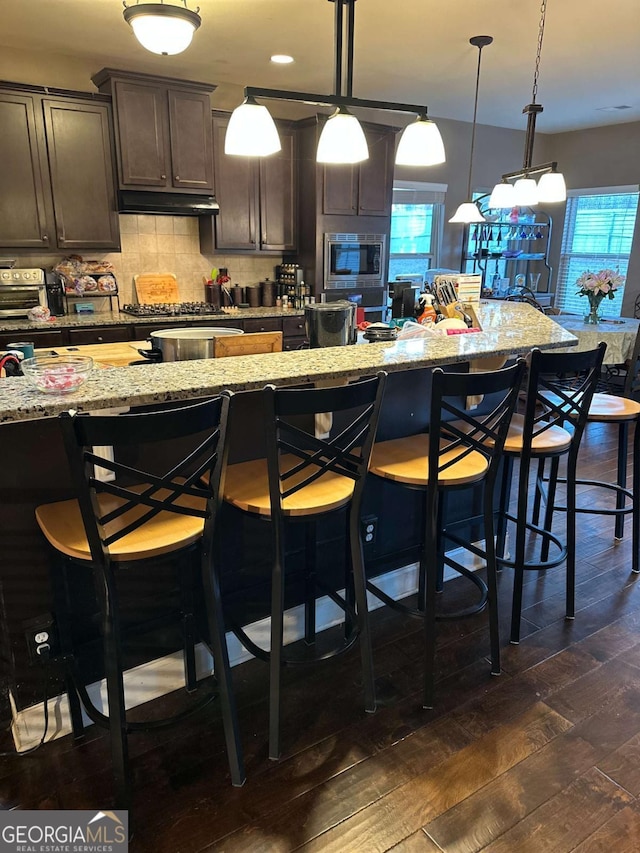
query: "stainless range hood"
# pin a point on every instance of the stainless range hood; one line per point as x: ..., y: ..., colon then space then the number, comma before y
x: 175, y: 204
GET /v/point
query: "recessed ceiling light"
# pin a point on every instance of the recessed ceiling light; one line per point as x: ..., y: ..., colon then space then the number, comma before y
x: 282, y: 58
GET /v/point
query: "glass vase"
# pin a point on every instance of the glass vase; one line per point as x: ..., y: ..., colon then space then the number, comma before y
x: 593, y: 317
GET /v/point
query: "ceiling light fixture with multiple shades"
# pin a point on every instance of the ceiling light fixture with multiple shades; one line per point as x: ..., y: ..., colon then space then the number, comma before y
x: 551, y: 186
x: 252, y: 131
x: 469, y: 211
x: 162, y: 27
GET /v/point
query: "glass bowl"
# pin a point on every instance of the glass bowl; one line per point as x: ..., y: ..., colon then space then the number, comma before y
x: 57, y: 374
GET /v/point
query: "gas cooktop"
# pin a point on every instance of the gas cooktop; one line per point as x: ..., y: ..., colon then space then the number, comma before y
x: 170, y: 309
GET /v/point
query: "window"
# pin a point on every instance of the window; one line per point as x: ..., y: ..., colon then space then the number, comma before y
x: 598, y: 231
x: 416, y: 225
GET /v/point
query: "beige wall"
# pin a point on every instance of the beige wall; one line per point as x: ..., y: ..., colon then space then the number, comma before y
x: 166, y: 244
x: 600, y: 157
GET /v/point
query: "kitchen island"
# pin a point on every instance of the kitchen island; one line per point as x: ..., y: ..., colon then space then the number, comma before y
x: 35, y: 471
x: 508, y: 329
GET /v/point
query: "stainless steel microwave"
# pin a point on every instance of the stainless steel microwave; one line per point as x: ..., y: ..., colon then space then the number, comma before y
x: 350, y: 258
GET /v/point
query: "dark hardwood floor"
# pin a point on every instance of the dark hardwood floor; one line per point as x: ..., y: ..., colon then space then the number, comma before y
x: 544, y: 759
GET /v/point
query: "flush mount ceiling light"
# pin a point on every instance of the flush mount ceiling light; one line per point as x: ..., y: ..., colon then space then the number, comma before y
x: 469, y: 211
x: 282, y: 59
x: 342, y: 139
x: 551, y: 186
x: 162, y: 27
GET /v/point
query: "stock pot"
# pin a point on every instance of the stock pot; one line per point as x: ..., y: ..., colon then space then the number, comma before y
x: 184, y: 344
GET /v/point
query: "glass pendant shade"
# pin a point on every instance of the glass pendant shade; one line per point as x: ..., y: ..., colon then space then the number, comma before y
x: 502, y: 196
x: 420, y: 144
x: 342, y: 140
x: 161, y: 28
x: 552, y: 188
x: 468, y: 212
x: 525, y: 193
x: 251, y: 131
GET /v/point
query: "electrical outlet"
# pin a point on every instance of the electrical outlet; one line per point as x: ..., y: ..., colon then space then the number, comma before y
x: 369, y: 529
x: 42, y: 638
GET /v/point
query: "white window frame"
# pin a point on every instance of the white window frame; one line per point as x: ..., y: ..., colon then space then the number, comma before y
x: 419, y: 192
x: 565, y: 298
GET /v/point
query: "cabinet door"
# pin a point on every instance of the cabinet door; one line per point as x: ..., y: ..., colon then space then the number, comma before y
x: 278, y: 192
x: 99, y: 335
x: 191, y: 145
x: 143, y: 133
x: 81, y: 165
x: 375, y: 187
x: 23, y: 210
x: 236, y: 192
x: 340, y: 189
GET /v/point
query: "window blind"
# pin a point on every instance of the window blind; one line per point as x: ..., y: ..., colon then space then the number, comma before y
x: 598, y: 232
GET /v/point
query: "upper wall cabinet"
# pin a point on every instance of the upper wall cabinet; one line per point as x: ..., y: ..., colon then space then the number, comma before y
x: 257, y: 198
x: 163, y: 131
x: 56, y: 172
x: 364, y: 189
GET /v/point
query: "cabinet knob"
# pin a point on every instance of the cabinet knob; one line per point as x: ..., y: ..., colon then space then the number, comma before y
x: 177, y: 177
x: 163, y: 177
x: 99, y: 338
x: 45, y: 238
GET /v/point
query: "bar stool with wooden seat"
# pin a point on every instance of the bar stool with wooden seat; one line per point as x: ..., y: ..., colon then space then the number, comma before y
x: 312, y: 470
x: 560, y: 387
x: 623, y: 411
x: 463, y: 448
x: 136, y: 518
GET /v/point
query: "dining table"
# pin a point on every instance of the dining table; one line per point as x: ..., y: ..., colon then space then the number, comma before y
x: 619, y: 334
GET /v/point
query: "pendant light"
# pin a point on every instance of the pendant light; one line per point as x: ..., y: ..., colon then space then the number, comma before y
x: 420, y: 144
x: 551, y: 186
x: 342, y: 139
x: 251, y: 131
x: 469, y: 210
x: 162, y: 27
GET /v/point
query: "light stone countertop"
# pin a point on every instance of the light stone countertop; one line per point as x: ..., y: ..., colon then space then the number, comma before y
x: 119, y: 318
x: 508, y: 329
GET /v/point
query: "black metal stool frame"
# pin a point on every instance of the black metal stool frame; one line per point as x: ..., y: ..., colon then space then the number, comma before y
x: 81, y: 433
x: 560, y: 387
x: 454, y: 428
x: 347, y: 453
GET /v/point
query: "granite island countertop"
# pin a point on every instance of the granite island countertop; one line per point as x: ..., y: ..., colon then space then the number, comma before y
x: 508, y: 329
x: 120, y: 318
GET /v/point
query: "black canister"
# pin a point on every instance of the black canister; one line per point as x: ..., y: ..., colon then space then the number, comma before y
x: 268, y: 289
x: 253, y: 296
x: 237, y: 294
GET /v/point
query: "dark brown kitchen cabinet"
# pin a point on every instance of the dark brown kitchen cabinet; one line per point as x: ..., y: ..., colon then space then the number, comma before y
x: 257, y: 197
x: 23, y: 213
x: 163, y: 131
x: 363, y: 189
x: 82, y: 179
x: 56, y: 171
x: 50, y: 338
x: 99, y: 335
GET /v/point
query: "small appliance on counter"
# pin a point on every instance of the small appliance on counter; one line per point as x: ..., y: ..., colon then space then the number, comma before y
x: 55, y: 293
x: 331, y: 324
x: 21, y: 290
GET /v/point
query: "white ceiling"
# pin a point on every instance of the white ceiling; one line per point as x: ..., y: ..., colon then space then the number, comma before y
x: 414, y: 51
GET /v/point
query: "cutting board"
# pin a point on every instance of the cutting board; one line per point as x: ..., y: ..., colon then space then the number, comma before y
x: 153, y: 288
x: 109, y: 355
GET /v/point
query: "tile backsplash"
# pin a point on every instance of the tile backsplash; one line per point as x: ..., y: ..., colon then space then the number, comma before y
x: 165, y: 244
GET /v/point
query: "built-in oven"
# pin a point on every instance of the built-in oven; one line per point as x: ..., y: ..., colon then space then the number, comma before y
x: 354, y: 256
x: 21, y: 290
x: 355, y: 268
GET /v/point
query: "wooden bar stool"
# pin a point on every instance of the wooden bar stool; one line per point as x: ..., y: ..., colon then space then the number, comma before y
x: 622, y: 412
x: 560, y: 387
x: 135, y: 517
x: 463, y: 448
x: 307, y: 476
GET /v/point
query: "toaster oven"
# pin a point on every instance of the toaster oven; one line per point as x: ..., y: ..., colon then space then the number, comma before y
x: 21, y: 290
